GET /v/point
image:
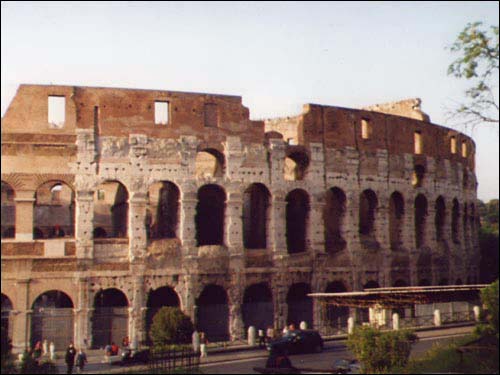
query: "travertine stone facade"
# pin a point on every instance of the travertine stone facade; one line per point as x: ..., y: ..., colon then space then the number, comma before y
x: 266, y: 193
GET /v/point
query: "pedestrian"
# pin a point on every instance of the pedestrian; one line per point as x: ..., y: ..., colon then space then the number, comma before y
x: 125, y: 342
x: 52, y: 350
x: 114, y: 349
x: 203, y: 344
x: 37, y: 351
x: 70, y: 358
x: 262, y: 338
x: 285, y: 331
x: 269, y: 334
x: 45, y: 347
x: 81, y: 360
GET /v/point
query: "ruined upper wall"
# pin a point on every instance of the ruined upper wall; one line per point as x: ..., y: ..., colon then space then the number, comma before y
x: 120, y: 112
x: 406, y: 108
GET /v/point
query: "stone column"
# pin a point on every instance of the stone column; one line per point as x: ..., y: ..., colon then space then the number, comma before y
x: 137, y: 227
x: 187, y: 222
x: 278, y: 225
x: 280, y: 307
x: 21, y: 318
x: 84, y: 217
x: 82, y: 314
x: 233, y: 237
x: 137, y: 321
x: 25, y: 200
x: 236, y: 326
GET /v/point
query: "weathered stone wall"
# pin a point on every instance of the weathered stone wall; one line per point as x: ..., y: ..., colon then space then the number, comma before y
x: 110, y: 135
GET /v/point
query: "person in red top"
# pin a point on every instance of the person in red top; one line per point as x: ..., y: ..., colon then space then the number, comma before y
x: 114, y: 349
x: 125, y: 342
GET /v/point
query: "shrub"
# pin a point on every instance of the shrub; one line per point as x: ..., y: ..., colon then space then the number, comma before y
x: 489, y: 297
x: 171, y: 326
x: 380, y: 351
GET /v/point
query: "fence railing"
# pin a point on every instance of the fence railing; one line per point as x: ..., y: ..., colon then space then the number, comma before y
x: 169, y: 361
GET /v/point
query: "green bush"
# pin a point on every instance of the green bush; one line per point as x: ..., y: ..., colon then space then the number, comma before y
x: 379, y: 351
x: 489, y: 297
x: 171, y: 327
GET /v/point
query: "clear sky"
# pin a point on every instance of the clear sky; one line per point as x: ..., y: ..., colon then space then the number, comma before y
x: 278, y: 56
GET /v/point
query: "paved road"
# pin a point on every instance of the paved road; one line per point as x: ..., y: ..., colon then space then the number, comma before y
x: 320, y: 361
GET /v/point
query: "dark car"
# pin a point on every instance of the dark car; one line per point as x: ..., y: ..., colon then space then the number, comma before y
x: 130, y: 357
x: 298, y: 341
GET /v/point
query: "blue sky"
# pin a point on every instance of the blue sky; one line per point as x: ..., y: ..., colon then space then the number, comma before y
x: 278, y: 56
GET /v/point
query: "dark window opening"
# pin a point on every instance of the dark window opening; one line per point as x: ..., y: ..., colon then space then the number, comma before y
x: 420, y: 220
x: 212, y: 315
x: 110, y: 317
x: 418, y: 176
x: 300, y: 306
x: 440, y: 218
x: 455, y: 219
x: 396, y: 216
x: 255, y: 216
x: 367, y: 208
x: 296, y: 164
x: 111, y: 212
x: 257, y: 309
x: 164, y: 201
x: 209, y: 163
x: 158, y: 298
x: 297, y: 214
x: 8, y: 217
x: 210, y: 215
x: 333, y: 215
x: 336, y: 316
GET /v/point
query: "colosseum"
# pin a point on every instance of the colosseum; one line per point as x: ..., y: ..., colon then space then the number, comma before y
x: 116, y: 202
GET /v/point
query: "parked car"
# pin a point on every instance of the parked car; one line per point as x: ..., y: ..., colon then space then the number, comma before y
x: 298, y: 341
x: 130, y: 357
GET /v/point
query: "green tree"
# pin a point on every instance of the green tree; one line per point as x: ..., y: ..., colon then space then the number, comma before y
x: 489, y: 297
x: 478, y: 62
x: 171, y: 326
x: 381, y: 351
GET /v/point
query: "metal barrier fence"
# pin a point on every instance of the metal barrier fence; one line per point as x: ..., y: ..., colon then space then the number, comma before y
x: 169, y: 361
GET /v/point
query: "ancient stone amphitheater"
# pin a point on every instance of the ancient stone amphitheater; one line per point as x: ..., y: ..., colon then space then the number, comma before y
x: 116, y: 202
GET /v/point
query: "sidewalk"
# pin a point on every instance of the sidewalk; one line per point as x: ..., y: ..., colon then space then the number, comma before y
x: 243, y: 351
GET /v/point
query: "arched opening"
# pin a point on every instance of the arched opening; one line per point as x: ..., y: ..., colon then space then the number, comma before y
x: 420, y: 220
x: 455, y: 220
x: 465, y: 221
x: 8, y: 211
x: 164, y: 203
x: 364, y: 313
x: 296, y: 164
x: 333, y: 216
x: 52, y: 319
x: 209, y: 163
x: 210, y: 215
x: 257, y: 308
x: 255, y: 216
x: 111, y: 209
x: 158, y: 298
x: 297, y: 215
x: 424, y: 269
x: 336, y: 316
x: 300, y: 306
x: 212, y: 314
x: 110, y: 318
x: 417, y: 179
x: 472, y: 219
x: 396, y: 215
x: 54, y: 211
x: 440, y: 218
x: 6, y: 311
x: 367, y: 208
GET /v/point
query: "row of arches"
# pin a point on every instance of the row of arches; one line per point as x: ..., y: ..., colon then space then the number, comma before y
x: 55, y: 208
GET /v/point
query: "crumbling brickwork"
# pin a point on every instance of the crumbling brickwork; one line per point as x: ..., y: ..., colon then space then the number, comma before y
x: 113, y: 208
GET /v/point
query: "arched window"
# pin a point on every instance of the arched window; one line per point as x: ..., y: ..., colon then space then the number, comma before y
x: 418, y: 176
x: 455, y: 220
x: 420, y: 220
x: 210, y: 215
x: 300, y: 305
x: 164, y: 204
x: 54, y: 211
x: 255, y: 216
x: 296, y: 164
x: 440, y: 218
x: 158, y: 298
x: 396, y: 215
x: 213, y: 313
x: 257, y: 309
x: 110, y: 317
x: 367, y: 208
x: 209, y: 163
x: 297, y: 214
x: 111, y: 210
x: 334, y: 218
x: 8, y: 211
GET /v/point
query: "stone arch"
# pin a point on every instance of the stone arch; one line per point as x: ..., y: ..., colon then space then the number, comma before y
x: 335, y: 316
x: 158, y: 298
x: 256, y: 211
x: 54, y: 209
x: 296, y: 163
x: 110, y: 317
x: 440, y: 218
x: 396, y: 217
x: 52, y: 318
x: 297, y: 216
x: 163, y: 208
x: 424, y: 269
x: 257, y: 308
x: 420, y: 220
x: 8, y: 218
x: 212, y: 316
x: 300, y: 306
x: 455, y: 221
x: 111, y: 209
x: 333, y: 216
x: 210, y: 215
x: 418, y: 176
x: 209, y: 162
x: 7, y: 308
